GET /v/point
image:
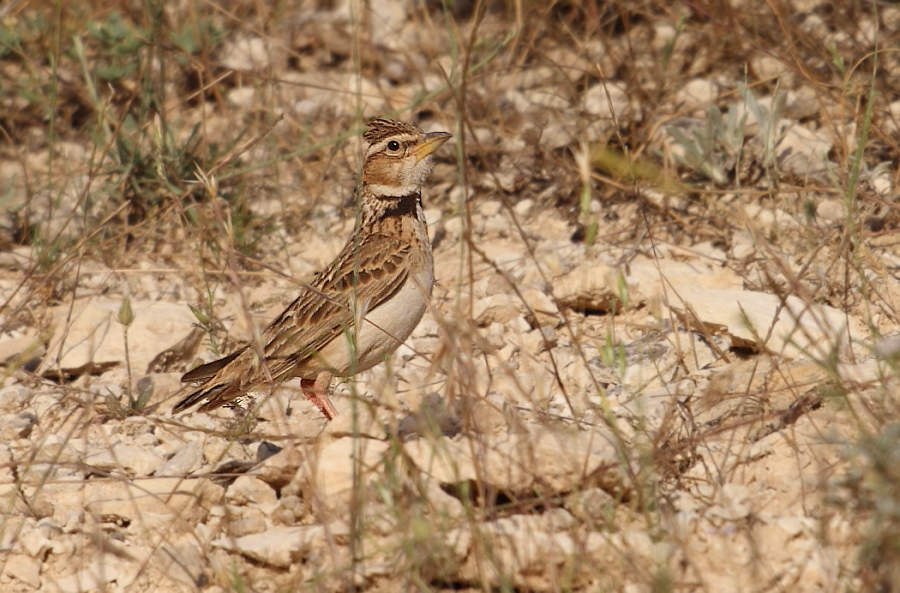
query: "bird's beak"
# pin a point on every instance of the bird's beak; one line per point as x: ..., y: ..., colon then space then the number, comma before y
x: 432, y: 142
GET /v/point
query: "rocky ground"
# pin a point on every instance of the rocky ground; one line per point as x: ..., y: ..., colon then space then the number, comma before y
x: 660, y: 355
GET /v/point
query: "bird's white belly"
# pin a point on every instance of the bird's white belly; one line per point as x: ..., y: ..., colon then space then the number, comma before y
x: 382, y: 331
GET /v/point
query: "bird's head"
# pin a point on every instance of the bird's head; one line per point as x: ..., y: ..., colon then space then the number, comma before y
x: 398, y: 158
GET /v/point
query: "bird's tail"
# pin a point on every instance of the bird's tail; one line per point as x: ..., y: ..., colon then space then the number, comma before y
x: 209, y: 391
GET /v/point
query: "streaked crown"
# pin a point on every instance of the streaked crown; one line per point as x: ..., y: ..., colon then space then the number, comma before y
x: 381, y: 128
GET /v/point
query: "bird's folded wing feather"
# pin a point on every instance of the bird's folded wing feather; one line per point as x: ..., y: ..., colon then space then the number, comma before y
x: 209, y: 370
x: 366, y: 273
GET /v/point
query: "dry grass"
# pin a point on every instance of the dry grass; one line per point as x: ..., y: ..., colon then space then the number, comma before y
x: 176, y: 153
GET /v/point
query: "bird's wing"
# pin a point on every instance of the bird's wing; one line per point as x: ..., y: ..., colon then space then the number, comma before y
x: 364, y: 275
x: 209, y: 370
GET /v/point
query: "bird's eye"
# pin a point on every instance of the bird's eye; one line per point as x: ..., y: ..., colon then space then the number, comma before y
x: 393, y: 145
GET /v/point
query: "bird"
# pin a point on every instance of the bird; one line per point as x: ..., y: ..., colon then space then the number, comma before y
x: 361, y: 307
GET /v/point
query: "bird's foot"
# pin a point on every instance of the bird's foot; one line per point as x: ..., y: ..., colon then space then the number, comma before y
x: 317, y: 392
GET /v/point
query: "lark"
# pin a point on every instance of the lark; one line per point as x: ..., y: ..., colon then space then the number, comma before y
x: 361, y: 307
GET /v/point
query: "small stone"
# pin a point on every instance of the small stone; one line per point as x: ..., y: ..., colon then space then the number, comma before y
x: 528, y: 548
x: 250, y: 490
x: 433, y: 418
x: 121, y: 456
x: 549, y: 335
x: 592, y: 505
x: 487, y: 417
x: 13, y: 397
x: 533, y: 342
x: 892, y: 123
x: 279, y: 469
x: 664, y: 35
x: 247, y: 526
x: 290, y: 510
x: 767, y: 67
x: 24, y: 568
x: 279, y: 546
x: 888, y: 347
x: 698, y: 93
x: 542, y: 307
x: 792, y: 326
x: 831, y: 210
x: 155, y: 502
x: 590, y: 287
x: 96, y: 576
x: 523, y: 207
x: 797, y: 526
x: 742, y: 245
x: 490, y: 208
x: 607, y: 100
x: 804, y: 152
x: 183, y: 563
x: 187, y: 459
x: 35, y: 543
x: 17, y: 426
x: 497, y: 308
x: 266, y: 450
x: 432, y: 215
x: 801, y: 104
x: 247, y: 53
x: 328, y: 479
x: 242, y: 96
x: 21, y: 351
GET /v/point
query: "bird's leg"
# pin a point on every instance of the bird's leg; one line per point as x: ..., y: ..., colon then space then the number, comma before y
x: 317, y: 392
